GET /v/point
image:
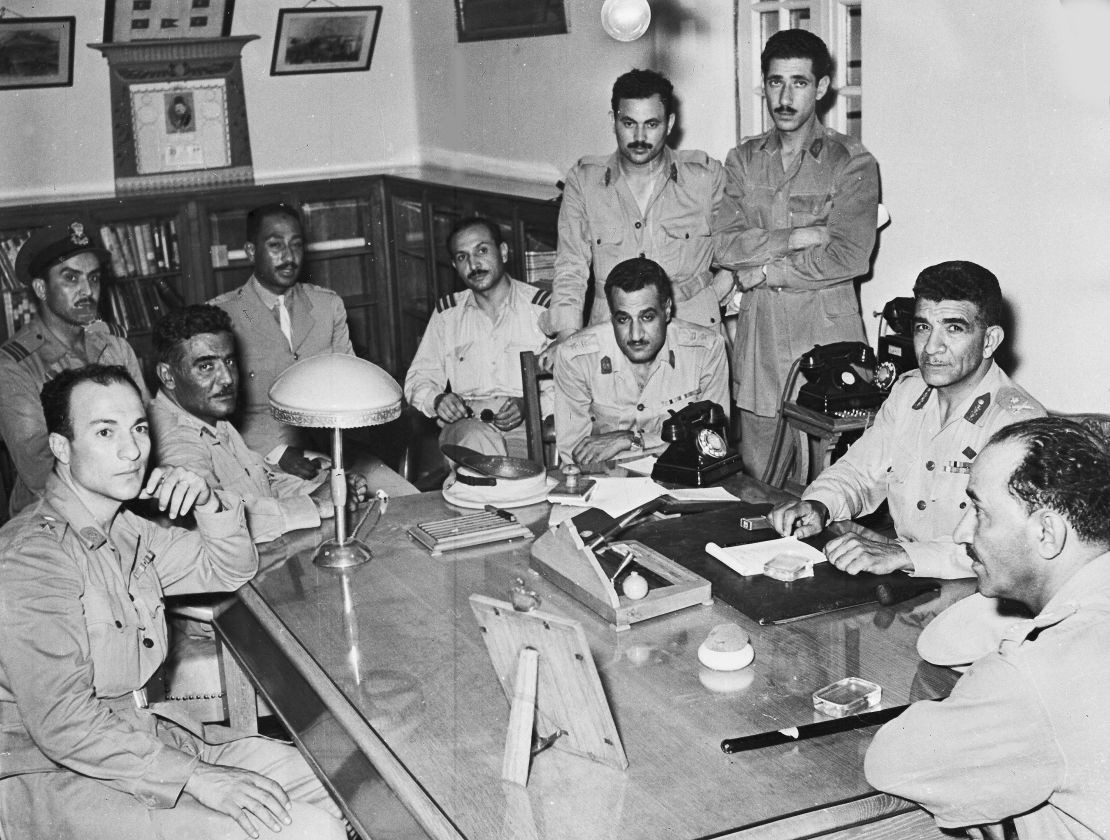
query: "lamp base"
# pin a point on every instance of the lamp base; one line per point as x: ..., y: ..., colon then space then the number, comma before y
x: 332, y: 555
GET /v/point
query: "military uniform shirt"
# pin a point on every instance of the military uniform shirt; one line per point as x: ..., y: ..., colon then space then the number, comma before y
x: 600, y: 225
x: 84, y: 626
x: 596, y: 389
x: 33, y: 356
x: 479, y: 357
x: 808, y: 297
x: 276, y: 502
x: 921, y: 466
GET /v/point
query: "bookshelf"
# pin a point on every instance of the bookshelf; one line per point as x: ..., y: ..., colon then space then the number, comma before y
x: 379, y: 241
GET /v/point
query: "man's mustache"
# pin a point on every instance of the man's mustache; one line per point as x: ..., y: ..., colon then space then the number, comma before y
x: 86, y: 301
x: 971, y: 552
x: 785, y: 110
x: 476, y: 273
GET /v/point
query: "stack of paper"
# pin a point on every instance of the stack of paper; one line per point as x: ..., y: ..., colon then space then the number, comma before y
x: 750, y: 559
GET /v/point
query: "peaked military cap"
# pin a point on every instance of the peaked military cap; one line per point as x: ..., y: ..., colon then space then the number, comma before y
x: 55, y: 243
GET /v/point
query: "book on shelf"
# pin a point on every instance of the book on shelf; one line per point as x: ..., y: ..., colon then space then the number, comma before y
x: 10, y: 243
x: 141, y: 248
x: 539, y: 268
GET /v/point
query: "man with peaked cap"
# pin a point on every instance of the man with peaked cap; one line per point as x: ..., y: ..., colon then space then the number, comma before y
x: 63, y: 266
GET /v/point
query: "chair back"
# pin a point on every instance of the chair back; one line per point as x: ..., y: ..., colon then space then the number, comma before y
x: 541, y: 435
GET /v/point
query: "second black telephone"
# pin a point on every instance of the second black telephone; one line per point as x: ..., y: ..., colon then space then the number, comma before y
x: 839, y: 377
x: 699, y: 453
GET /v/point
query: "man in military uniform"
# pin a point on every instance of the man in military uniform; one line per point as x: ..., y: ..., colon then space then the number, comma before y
x: 919, y: 452
x: 616, y: 383
x: 1024, y: 733
x: 808, y: 198
x: 81, y: 587
x: 199, y: 377
x: 278, y: 321
x: 466, y: 372
x: 643, y: 200
x: 62, y: 265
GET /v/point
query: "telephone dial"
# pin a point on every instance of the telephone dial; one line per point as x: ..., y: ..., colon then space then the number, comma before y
x: 699, y: 453
x: 841, y: 377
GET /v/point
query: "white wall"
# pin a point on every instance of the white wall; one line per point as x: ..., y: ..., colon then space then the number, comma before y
x: 56, y: 143
x: 991, y: 124
x: 531, y: 107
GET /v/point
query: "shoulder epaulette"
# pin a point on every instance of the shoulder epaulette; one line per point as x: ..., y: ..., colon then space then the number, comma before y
x: 594, y: 160
x: 581, y: 344
x: 15, y: 351
x: 695, y: 157
x: 1015, y: 401
x: 446, y: 302
x: 691, y: 336
x: 542, y: 297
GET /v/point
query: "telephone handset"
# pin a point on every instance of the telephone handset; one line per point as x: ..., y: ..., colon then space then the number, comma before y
x: 840, y: 377
x: 699, y: 453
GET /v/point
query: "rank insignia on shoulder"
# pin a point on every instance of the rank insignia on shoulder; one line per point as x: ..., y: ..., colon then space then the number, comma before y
x: 93, y: 537
x: 1014, y: 401
x: 542, y: 297
x: 606, y: 364
x: 446, y: 302
x: 924, y: 398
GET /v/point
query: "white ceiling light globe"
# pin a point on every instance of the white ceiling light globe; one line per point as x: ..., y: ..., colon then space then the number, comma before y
x: 625, y: 20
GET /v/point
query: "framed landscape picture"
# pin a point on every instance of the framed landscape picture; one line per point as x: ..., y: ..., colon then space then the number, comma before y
x: 149, y: 20
x: 36, y: 52
x: 338, y: 40
x: 485, y: 20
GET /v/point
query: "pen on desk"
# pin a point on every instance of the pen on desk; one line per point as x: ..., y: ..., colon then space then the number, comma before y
x: 809, y: 730
x: 889, y: 594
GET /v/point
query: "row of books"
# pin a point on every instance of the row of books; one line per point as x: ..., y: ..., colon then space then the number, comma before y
x: 142, y: 248
x: 10, y: 243
x: 138, y: 303
x: 539, y: 268
x: 19, y: 308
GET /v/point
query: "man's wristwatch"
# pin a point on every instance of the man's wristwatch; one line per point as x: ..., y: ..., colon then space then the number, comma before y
x: 637, y: 438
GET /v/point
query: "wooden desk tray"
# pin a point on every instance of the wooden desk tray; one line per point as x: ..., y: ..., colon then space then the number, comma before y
x: 562, y: 558
x: 466, y: 531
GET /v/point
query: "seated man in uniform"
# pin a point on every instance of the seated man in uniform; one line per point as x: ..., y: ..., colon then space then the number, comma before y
x: 81, y: 586
x: 1024, y: 734
x: 199, y: 378
x: 62, y: 265
x: 918, y: 454
x: 466, y: 372
x: 616, y: 383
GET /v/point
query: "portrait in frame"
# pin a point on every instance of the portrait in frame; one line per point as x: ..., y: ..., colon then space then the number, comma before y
x: 487, y: 20
x: 180, y: 126
x: 336, y: 40
x: 147, y: 20
x: 36, y: 52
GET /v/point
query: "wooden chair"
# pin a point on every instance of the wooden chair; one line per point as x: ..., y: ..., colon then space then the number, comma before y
x: 539, y: 429
x: 1098, y: 423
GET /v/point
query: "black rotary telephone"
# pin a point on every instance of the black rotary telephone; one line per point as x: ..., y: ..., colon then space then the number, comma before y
x: 699, y: 453
x: 839, y: 377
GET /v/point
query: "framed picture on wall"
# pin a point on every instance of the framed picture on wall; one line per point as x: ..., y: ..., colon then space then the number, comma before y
x: 485, y: 20
x: 149, y: 20
x: 36, y: 52
x: 180, y: 125
x: 338, y: 40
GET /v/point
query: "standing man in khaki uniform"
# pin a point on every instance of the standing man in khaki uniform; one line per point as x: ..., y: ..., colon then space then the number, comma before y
x: 616, y: 383
x: 808, y: 198
x: 62, y: 264
x: 466, y: 372
x: 918, y: 454
x: 643, y: 200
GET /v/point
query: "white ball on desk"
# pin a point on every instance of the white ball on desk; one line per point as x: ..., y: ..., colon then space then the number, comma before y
x: 634, y: 586
x: 727, y: 648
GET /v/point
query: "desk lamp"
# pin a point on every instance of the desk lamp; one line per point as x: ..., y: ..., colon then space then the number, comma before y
x: 336, y: 391
x: 625, y: 20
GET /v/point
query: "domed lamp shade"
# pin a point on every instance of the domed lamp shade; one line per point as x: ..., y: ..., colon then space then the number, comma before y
x: 336, y: 391
x: 625, y: 20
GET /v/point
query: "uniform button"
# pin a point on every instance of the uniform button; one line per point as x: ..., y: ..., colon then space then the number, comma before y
x: 132, y: 597
x: 963, y: 505
x: 638, y: 225
x: 295, y: 357
x: 640, y: 407
x: 642, y: 255
x: 921, y: 505
x: 119, y: 623
x: 929, y: 465
x: 148, y: 643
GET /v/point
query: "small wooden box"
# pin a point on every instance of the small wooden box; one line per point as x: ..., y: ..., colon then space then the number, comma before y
x: 561, y: 556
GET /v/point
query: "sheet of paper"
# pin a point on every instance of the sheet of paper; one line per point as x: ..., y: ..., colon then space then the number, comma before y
x: 703, y: 494
x: 642, y: 466
x: 751, y: 558
x: 615, y: 496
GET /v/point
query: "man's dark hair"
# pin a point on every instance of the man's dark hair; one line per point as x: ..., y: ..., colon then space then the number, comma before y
x: 962, y: 280
x: 797, y: 43
x: 56, y: 393
x: 180, y: 325
x: 638, y: 273
x: 1066, y: 469
x: 258, y: 215
x: 643, y: 84
x: 469, y: 222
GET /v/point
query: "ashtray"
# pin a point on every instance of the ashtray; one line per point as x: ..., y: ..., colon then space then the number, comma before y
x: 788, y: 567
x: 848, y: 696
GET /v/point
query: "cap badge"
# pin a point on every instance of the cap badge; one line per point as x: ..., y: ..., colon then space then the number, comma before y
x: 77, y: 234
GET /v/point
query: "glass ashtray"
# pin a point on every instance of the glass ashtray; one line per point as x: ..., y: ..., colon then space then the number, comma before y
x: 848, y: 696
x: 787, y: 567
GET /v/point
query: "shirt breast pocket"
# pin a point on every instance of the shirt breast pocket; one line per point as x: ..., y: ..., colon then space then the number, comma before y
x: 111, y: 642
x: 607, y: 241
x: 809, y: 209
x: 682, y: 237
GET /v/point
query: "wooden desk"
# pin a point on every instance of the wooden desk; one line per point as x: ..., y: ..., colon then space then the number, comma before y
x: 382, y: 677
